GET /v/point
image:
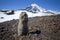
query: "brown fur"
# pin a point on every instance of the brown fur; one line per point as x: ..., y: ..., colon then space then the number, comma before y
x: 23, y: 24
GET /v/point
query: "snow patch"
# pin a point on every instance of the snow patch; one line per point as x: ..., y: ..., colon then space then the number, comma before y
x: 17, y: 14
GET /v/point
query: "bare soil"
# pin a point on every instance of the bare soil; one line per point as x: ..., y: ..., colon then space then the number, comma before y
x: 49, y: 27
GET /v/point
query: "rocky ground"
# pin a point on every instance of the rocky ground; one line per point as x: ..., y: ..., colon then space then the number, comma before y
x: 48, y: 29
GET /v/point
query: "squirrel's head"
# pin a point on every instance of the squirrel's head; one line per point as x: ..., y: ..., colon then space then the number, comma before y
x: 24, y: 16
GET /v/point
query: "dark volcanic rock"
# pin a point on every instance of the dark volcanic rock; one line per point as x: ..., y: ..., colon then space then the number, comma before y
x: 48, y: 25
x: 10, y: 13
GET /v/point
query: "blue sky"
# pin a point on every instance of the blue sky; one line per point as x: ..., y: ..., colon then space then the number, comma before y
x: 19, y: 4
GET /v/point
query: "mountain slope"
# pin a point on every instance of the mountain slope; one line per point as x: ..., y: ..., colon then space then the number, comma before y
x: 32, y: 11
x: 48, y: 25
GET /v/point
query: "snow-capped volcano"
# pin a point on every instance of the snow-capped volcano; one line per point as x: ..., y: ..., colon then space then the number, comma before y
x: 34, y: 8
x: 32, y: 11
